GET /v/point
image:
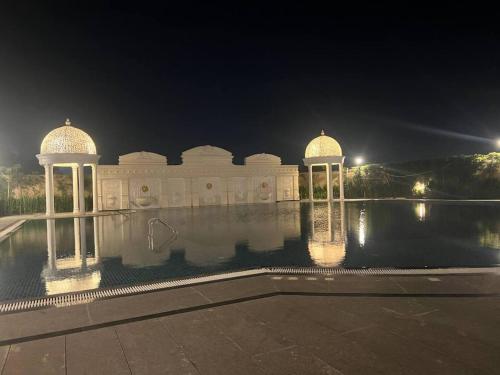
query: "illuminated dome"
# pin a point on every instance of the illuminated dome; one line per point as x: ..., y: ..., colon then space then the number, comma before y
x: 68, y: 140
x: 323, y: 146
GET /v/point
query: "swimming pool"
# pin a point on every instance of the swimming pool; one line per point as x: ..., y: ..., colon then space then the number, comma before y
x: 45, y: 257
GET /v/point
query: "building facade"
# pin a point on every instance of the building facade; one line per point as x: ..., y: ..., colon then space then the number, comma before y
x: 207, y: 176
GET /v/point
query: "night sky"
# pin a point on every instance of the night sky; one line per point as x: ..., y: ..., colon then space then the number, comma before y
x: 388, y: 83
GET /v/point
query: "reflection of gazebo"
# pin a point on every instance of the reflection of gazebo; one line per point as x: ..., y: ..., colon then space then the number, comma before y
x: 327, y: 242
x: 324, y: 151
x: 68, y: 146
x: 74, y: 273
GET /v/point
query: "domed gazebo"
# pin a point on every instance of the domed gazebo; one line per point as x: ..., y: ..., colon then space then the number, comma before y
x: 67, y: 146
x: 325, y: 150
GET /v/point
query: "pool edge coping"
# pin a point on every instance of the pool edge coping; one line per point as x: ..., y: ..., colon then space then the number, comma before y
x: 84, y: 297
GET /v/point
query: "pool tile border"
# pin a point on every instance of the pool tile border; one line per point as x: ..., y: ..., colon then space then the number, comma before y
x: 76, y: 298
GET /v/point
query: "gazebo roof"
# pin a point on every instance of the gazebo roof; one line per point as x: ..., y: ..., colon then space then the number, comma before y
x: 68, y: 140
x: 323, y: 146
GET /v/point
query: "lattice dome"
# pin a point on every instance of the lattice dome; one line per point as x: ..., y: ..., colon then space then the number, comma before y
x: 323, y: 146
x: 68, y: 140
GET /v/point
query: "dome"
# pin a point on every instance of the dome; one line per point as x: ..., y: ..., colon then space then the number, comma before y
x: 68, y: 140
x: 323, y: 146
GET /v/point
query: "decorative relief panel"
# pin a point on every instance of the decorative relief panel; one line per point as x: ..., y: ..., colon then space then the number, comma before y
x: 111, y: 194
x: 176, y: 192
x: 144, y: 192
x: 210, y: 191
x: 239, y: 187
x: 264, y: 189
x: 287, y: 188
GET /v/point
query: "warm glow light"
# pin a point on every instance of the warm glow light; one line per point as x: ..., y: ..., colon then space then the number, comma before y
x: 68, y: 140
x: 358, y: 160
x: 420, y: 211
x: 323, y: 146
x: 362, y: 228
x: 419, y: 188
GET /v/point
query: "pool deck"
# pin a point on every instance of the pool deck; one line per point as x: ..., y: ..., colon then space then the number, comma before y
x: 269, y: 324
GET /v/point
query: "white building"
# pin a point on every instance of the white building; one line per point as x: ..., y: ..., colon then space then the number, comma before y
x: 207, y: 176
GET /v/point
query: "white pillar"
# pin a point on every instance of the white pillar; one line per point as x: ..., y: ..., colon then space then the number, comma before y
x: 83, y: 243
x: 311, y: 192
x: 74, y: 173
x: 49, y: 189
x: 342, y: 220
x: 329, y: 195
x: 51, y: 244
x: 81, y: 189
x: 94, y: 188
x: 97, y: 249
x: 341, y: 180
x: 76, y: 231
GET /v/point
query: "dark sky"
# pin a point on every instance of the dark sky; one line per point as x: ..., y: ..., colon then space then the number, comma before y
x: 388, y: 83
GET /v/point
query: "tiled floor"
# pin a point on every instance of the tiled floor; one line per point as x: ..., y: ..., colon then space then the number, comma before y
x: 358, y: 325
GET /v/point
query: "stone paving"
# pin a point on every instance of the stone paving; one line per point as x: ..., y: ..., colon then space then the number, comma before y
x: 269, y: 325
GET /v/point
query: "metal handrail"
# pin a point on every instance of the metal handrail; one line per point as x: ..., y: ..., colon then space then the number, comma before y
x: 151, y: 223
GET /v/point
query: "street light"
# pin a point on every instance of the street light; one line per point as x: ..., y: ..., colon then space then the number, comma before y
x: 358, y: 160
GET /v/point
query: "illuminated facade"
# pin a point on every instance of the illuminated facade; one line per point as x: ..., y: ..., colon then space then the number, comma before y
x: 207, y: 176
x: 325, y: 151
x: 68, y: 146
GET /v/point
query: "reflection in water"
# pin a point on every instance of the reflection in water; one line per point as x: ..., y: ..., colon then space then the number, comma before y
x: 362, y: 228
x: 206, y: 236
x: 420, y: 211
x: 327, y: 239
x: 49, y: 257
x: 75, y: 273
x: 490, y: 239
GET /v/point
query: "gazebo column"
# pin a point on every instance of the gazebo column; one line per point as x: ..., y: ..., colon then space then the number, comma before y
x: 329, y: 195
x: 83, y: 243
x: 311, y: 191
x: 51, y: 244
x: 81, y: 189
x: 341, y: 180
x: 97, y: 249
x: 74, y: 173
x: 94, y: 188
x: 49, y: 189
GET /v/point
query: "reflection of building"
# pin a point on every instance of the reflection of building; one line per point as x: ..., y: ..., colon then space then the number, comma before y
x: 328, y: 238
x: 207, y: 176
x: 207, y: 235
x: 325, y: 151
x: 76, y: 273
x: 490, y: 238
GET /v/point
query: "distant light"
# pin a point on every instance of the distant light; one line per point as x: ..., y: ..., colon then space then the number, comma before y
x: 419, y: 188
x: 358, y: 160
x: 498, y: 143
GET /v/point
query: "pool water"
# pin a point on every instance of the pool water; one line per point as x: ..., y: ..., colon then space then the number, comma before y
x: 48, y: 257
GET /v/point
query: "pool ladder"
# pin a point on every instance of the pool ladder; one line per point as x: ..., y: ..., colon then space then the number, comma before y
x: 151, y: 224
